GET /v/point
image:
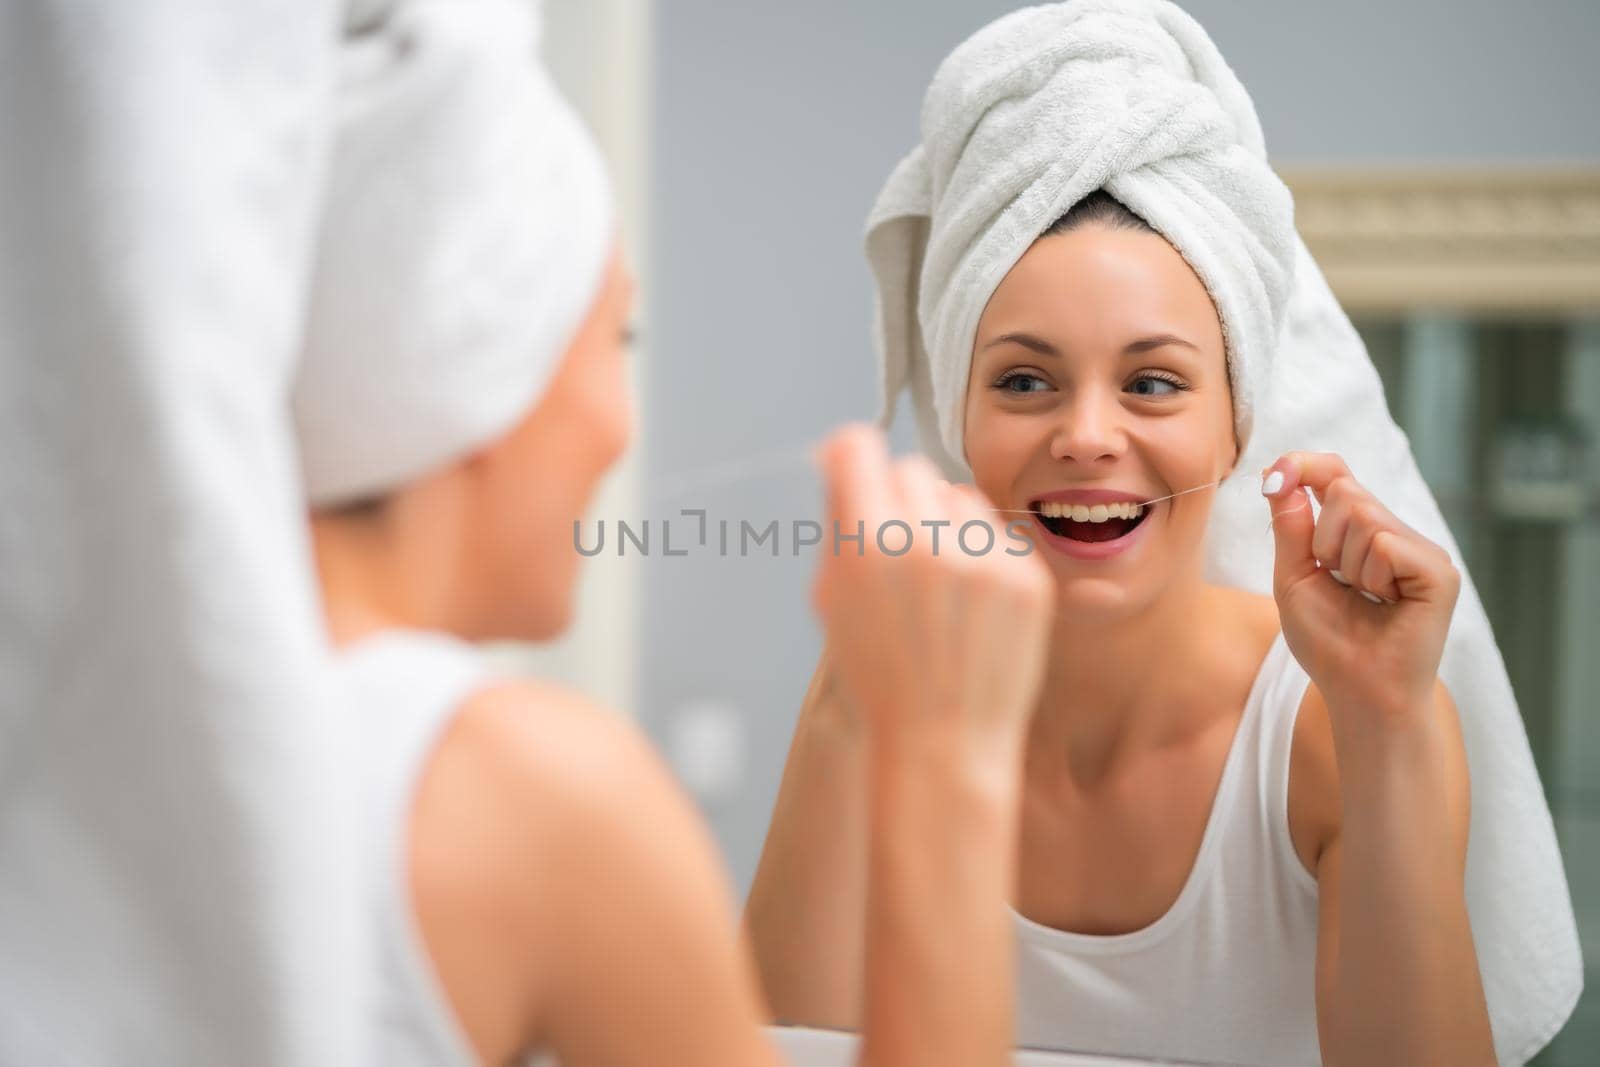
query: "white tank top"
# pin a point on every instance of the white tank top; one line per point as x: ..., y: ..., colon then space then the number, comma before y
x: 397, y: 691
x: 1228, y: 974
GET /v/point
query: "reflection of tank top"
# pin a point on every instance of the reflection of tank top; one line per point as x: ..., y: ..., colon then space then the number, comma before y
x: 396, y: 692
x: 1228, y: 974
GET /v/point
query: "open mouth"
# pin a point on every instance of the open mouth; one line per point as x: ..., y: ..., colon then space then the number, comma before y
x: 1089, y: 524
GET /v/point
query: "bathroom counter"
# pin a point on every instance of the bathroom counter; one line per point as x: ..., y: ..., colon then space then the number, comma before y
x: 832, y: 1048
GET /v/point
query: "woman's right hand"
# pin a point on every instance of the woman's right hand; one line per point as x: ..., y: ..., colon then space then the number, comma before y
x: 939, y: 655
x: 933, y: 642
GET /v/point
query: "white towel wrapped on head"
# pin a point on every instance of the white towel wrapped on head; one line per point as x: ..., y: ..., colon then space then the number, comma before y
x: 469, y: 218
x: 1050, y: 103
x: 1025, y: 119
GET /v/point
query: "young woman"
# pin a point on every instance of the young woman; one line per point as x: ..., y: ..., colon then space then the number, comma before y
x: 1247, y: 794
x: 1245, y: 818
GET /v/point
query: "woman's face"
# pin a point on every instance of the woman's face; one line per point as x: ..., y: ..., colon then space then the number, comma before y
x: 530, y: 486
x: 1098, y: 370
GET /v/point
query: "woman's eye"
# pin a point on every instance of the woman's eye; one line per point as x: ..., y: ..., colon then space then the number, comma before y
x: 1152, y: 380
x: 1022, y: 382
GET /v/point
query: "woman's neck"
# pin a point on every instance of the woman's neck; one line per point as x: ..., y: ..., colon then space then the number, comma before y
x: 371, y: 579
x: 1111, y: 686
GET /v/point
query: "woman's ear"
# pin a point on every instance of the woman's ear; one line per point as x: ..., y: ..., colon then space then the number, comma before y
x: 1238, y: 454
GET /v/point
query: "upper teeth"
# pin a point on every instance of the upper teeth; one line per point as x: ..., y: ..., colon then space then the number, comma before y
x: 1055, y: 509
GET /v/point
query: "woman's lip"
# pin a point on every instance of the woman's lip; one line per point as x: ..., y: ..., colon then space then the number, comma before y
x: 1094, y: 550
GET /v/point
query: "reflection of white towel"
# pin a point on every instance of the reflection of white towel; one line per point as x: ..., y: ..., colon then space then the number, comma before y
x: 172, y: 890
x: 1050, y: 103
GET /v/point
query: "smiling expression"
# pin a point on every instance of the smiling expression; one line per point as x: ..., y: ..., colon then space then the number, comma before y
x: 1098, y: 383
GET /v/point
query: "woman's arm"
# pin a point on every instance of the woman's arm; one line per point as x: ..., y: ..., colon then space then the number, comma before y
x: 807, y: 909
x: 1397, y: 974
x: 940, y: 658
x: 1365, y: 603
x: 940, y: 954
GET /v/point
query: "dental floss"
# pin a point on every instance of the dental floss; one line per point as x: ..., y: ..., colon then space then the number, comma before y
x: 731, y: 471
x: 734, y: 471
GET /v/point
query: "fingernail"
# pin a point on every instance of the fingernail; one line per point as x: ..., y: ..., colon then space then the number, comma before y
x: 1341, y: 579
x: 1372, y: 597
x: 1272, y: 483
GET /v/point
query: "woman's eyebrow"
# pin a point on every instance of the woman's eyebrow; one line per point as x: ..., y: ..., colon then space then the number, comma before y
x: 1026, y: 340
x: 1159, y: 340
x: 1045, y: 348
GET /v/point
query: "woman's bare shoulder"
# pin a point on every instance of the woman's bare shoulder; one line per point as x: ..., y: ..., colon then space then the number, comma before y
x: 527, y: 772
x: 536, y: 808
x: 543, y: 741
x: 1246, y: 624
x: 1257, y: 612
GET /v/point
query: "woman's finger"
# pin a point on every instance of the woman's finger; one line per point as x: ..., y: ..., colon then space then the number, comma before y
x: 1349, y: 519
x: 1333, y: 528
x: 974, y: 506
x: 1421, y: 569
x: 1376, y: 575
x: 1358, y: 551
x: 919, y: 500
x: 1314, y: 470
x: 855, y: 466
x: 1293, y: 527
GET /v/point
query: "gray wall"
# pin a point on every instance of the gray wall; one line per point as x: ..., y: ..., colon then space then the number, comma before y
x: 775, y: 124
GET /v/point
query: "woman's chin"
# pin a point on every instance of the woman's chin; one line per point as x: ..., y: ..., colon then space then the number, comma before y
x: 550, y: 620
x: 1093, y: 600
x: 535, y: 617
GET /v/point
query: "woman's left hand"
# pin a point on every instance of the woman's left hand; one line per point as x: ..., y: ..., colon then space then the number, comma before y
x: 1364, y: 600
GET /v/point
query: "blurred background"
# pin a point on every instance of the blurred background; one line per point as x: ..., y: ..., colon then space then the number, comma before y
x: 1445, y: 160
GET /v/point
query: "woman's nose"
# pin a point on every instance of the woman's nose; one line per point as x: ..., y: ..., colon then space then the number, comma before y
x: 1090, y: 428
